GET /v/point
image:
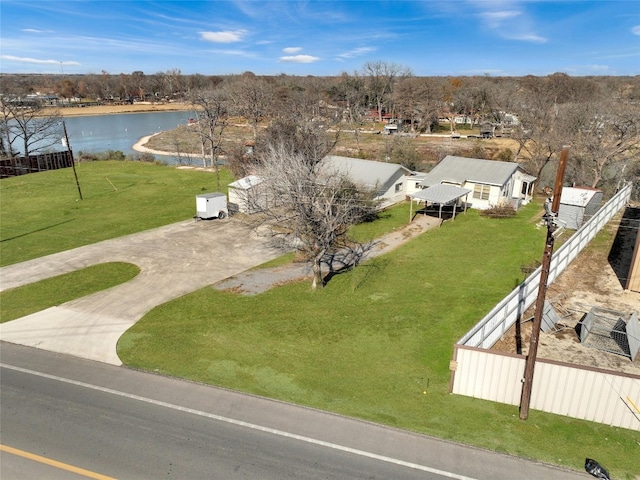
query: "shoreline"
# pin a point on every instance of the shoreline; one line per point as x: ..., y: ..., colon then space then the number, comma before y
x: 119, y: 109
x: 139, y: 146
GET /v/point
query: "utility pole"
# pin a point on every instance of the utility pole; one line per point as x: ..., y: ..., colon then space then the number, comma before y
x: 73, y: 162
x: 551, y: 212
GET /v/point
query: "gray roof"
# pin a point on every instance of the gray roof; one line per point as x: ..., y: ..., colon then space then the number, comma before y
x: 577, y: 196
x: 460, y: 169
x: 366, y: 172
x: 442, y: 194
x: 245, y: 183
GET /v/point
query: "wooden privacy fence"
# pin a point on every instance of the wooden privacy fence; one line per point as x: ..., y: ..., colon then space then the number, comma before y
x: 576, y: 391
x: 12, y: 167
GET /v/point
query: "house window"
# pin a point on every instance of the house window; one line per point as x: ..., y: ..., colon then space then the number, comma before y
x: 398, y: 187
x: 481, y: 191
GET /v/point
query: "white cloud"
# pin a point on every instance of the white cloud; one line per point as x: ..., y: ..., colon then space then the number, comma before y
x: 35, y: 30
x: 299, y: 59
x: 291, y: 49
x: 235, y: 53
x: 527, y: 38
x: 356, y: 52
x: 229, y: 36
x: 509, y: 23
x: 635, y: 30
x: 36, y: 60
x: 496, y: 19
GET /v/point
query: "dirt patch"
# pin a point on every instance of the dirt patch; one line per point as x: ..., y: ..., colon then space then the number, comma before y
x: 128, y: 108
x: 596, y: 278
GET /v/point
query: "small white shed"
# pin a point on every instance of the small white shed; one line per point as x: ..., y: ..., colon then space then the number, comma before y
x: 244, y: 195
x: 577, y: 205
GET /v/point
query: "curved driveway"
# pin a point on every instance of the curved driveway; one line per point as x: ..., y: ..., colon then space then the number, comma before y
x: 174, y: 260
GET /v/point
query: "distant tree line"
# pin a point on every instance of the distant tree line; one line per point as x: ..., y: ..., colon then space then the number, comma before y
x: 598, y: 116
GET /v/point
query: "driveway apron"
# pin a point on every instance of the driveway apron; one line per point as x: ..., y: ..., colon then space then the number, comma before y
x: 174, y: 260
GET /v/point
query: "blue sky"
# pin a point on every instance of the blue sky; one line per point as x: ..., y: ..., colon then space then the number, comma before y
x: 317, y: 37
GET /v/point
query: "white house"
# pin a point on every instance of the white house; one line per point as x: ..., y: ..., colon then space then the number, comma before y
x: 492, y: 182
x: 391, y: 181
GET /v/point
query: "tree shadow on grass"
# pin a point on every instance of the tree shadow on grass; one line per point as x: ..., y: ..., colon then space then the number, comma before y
x: 37, y: 230
x: 346, y: 259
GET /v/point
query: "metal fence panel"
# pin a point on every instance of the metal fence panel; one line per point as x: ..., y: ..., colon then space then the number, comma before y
x: 578, y: 392
x: 498, y: 321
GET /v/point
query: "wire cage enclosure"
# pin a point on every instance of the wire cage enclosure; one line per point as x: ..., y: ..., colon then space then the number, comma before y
x: 611, y: 331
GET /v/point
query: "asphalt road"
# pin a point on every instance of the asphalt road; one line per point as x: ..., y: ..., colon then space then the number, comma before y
x: 106, y: 421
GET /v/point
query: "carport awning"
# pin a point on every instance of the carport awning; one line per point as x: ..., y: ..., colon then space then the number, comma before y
x: 441, y: 194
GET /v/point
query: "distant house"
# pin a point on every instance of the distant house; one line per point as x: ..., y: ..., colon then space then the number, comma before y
x: 390, y: 128
x: 492, y: 182
x: 577, y: 205
x: 373, y: 116
x: 487, y: 130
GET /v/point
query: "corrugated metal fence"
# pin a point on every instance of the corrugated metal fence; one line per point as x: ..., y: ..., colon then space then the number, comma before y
x: 580, y: 392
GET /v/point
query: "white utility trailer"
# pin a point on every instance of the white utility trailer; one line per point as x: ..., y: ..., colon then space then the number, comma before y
x: 211, y: 205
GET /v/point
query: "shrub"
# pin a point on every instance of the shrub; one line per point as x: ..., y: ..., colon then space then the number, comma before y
x: 506, y: 155
x: 504, y: 211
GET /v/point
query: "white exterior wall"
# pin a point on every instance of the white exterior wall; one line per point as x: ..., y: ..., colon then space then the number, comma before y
x: 412, y: 184
x: 237, y: 197
x: 516, y: 192
x: 391, y: 197
x: 495, y: 198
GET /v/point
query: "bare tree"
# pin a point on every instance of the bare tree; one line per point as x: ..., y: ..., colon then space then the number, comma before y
x: 417, y: 100
x: 381, y: 77
x: 26, y: 120
x: 307, y: 206
x: 211, y: 109
x: 605, y: 137
x: 539, y: 135
x: 348, y: 91
x: 252, y: 98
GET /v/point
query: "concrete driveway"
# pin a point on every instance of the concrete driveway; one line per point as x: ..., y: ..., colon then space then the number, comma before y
x: 174, y: 260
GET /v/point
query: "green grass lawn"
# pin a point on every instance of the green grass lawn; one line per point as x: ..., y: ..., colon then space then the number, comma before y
x: 375, y: 343
x: 42, y: 214
x: 21, y: 301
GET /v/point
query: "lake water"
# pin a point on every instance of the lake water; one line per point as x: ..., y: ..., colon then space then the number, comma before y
x: 99, y: 133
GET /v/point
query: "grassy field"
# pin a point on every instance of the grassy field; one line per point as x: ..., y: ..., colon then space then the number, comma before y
x: 374, y: 344
x: 54, y: 291
x: 42, y: 213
